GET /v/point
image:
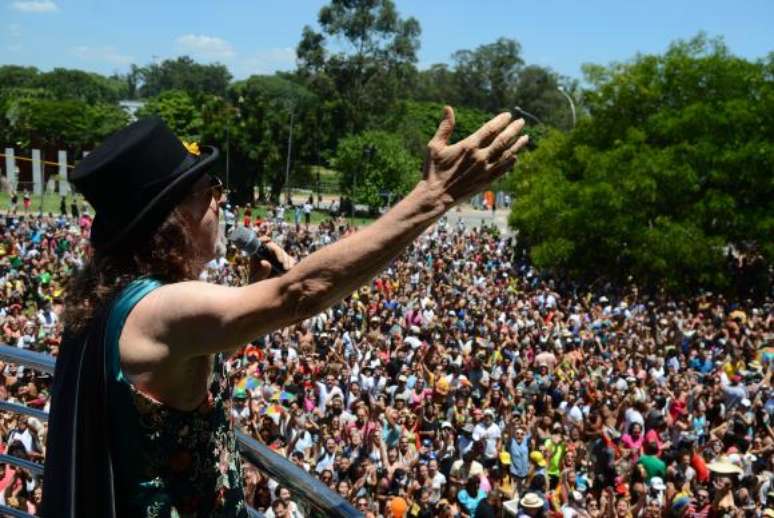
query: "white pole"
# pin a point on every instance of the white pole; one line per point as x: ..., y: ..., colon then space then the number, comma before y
x: 287, y: 162
x: 10, y: 168
x: 37, y: 173
x: 64, y: 185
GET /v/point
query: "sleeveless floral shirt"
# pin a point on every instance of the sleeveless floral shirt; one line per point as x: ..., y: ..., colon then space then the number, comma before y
x: 170, y: 463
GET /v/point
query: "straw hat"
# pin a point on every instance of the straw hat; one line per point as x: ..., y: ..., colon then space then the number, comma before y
x: 724, y: 466
x: 531, y: 501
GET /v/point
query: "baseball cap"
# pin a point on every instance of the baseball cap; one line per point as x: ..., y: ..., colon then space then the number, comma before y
x: 538, y: 458
x: 505, y: 457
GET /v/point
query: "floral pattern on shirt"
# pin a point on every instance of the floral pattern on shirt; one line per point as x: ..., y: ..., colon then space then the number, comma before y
x: 192, y: 466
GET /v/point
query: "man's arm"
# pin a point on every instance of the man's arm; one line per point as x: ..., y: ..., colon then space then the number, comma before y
x: 190, y: 319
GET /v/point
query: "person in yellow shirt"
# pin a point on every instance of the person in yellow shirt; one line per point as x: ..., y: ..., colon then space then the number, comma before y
x: 733, y: 366
x: 501, y: 477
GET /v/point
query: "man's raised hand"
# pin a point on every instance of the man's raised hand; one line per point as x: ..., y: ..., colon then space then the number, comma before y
x: 460, y: 170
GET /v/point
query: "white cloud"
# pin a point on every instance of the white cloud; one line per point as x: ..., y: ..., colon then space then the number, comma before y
x: 101, y: 54
x: 210, y: 47
x: 267, y: 61
x: 13, y: 36
x: 34, y: 6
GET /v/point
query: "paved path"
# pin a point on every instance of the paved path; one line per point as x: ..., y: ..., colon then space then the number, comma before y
x: 473, y: 218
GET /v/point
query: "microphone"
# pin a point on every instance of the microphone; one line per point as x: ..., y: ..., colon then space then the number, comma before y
x: 247, y: 241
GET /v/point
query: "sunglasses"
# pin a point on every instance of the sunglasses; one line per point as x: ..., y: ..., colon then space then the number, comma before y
x: 214, y: 189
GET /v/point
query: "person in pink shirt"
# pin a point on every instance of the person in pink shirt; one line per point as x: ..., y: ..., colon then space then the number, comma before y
x: 633, y: 440
x: 652, y: 436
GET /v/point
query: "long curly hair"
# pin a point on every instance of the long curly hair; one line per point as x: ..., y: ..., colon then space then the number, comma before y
x: 168, y: 255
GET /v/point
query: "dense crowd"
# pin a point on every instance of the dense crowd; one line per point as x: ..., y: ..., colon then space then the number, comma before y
x: 459, y: 383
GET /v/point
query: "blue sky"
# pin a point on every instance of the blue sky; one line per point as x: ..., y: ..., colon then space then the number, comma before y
x: 259, y: 36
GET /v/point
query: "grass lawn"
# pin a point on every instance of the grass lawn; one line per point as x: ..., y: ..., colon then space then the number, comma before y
x: 51, y: 204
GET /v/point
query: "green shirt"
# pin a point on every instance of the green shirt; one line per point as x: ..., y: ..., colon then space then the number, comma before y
x: 654, y: 467
x: 556, y: 458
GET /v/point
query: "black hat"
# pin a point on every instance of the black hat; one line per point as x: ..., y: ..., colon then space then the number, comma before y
x: 135, y: 178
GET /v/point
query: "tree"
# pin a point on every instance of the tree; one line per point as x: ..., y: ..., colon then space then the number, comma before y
x: 373, y: 163
x: 486, y: 77
x: 493, y: 78
x: 374, y: 70
x: 130, y: 81
x: 78, y: 85
x: 672, y: 166
x: 50, y: 124
x: 179, y: 112
x: 416, y: 123
x: 252, y: 124
x: 61, y: 83
x: 537, y: 91
x: 15, y: 76
x: 62, y: 109
x: 437, y: 84
x: 183, y: 74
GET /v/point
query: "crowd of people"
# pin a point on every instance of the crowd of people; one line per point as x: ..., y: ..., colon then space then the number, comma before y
x: 460, y: 382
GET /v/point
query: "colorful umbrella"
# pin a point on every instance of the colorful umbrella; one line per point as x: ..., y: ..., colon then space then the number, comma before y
x: 249, y: 383
x: 271, y: 410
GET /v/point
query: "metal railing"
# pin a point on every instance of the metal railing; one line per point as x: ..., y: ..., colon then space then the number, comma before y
x: 309, y: 491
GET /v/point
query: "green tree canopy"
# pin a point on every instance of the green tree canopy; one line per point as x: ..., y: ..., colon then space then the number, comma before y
x: 32, y: 122
x: 179, y: 111
x: 362, y: 80
x: 417, y: 122
x: 83, y: 86
x: 15, y: 76
x: 672, y: 166
x: 375, y: 162
x: 62, y: 83
x: 493, y: 78
x: 183, y: 74
x: 487, y: 75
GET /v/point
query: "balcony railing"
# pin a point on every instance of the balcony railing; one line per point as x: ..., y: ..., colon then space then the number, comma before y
x: 307, y: 490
